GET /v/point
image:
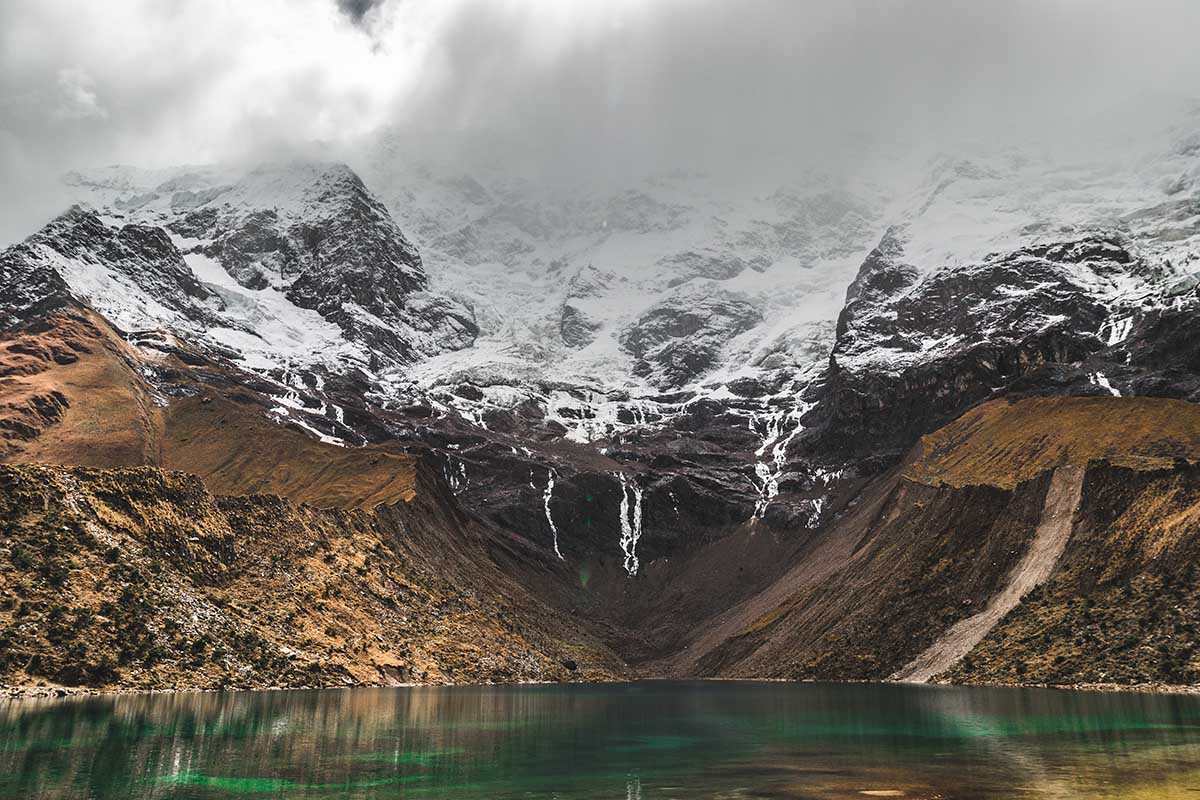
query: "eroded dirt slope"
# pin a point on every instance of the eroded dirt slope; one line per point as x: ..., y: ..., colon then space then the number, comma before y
x: 142, y: 578
x: 1038, y: 563
x: 1123, y: 605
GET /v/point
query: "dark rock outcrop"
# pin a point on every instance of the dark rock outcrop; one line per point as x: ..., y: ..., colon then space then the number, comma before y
x: 914, y: 352
x: 679, y: 339
x: 331, y: 247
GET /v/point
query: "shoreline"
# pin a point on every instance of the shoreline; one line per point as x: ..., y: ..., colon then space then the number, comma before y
x: 49, y: 692
x: 15, y: 693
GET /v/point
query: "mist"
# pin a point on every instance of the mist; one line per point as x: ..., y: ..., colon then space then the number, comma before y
x: 567, y: 93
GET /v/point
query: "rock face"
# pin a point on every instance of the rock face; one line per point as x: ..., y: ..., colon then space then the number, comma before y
x: 332, y: 248
x: 302, y: 236
x: 914, y: 352
x: 79, y: 250
x: 679, y: 339
x: 579, y: 321
x: 28, y: 286
x: 708, y: 264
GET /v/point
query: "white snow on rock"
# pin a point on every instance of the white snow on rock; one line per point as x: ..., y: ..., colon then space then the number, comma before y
x: 613, y: 308
x: 272, y: 331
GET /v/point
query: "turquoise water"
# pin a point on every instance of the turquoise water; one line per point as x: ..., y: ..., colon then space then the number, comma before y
x: 627, y: 741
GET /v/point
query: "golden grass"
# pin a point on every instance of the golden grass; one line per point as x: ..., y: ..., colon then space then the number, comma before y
x: 237, y: 451
x: 111, y: 421
x: 1002, y: 443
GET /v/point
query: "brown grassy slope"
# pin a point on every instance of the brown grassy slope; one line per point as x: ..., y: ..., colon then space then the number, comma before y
x: 1002, y: 443
x: 141, y: 578
x: 70, y: 394
x: 236, y: 450
x: 879, y: 587
x: 353, y: 563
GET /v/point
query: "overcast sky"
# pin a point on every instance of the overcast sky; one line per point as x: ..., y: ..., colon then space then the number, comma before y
x: 567, y: 89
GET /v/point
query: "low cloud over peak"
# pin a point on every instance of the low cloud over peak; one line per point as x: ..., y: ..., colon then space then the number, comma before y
x: 564, y: 91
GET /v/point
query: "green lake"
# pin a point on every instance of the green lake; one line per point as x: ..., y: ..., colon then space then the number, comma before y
x: 626, y: 741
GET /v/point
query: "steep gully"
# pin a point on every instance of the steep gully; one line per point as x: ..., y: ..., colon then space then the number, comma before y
x: 1034, y: 569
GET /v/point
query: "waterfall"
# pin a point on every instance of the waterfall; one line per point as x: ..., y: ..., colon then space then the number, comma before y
x: 549, y: 518
x: 291, y: 397
x: 456, y: 476
x: 1118, y: 330
x: 768, y: 471
x: 631, y: 522
x: 1101, y: 380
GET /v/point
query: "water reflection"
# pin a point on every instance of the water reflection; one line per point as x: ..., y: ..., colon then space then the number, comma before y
x: 638, y: 741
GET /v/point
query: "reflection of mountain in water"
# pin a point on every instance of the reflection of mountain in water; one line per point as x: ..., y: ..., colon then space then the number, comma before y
x: 700, y: 740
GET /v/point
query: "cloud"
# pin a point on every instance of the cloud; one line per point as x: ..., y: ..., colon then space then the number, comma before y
x: 561, y: 90
x: 750, y: 85
x: 160, y: 82
x: 77, y: 96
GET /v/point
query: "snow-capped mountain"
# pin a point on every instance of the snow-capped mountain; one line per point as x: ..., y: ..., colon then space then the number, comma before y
x: 548, y: 347
x: 1016, y: 274
x: 303, y: 265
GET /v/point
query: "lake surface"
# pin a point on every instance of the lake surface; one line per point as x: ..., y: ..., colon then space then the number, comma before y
x: 627, y: 741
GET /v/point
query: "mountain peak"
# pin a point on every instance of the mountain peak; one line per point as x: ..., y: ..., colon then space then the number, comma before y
x: 281, y: 253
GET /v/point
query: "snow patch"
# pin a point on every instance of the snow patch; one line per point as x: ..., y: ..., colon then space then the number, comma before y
x: 1101, y: 380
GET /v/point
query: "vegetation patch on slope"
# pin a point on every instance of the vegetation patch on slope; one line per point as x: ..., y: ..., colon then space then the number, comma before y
x: 236, y: 450
x: 72, y: 392
x: 72, y: 376
x: 1003, y: 443
x: 880, y: 587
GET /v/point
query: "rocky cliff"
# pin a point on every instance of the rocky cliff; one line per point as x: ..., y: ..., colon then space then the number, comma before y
x: 141, y: 578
